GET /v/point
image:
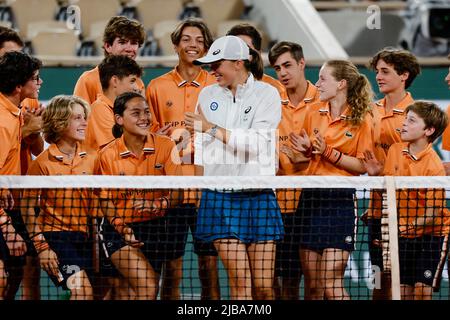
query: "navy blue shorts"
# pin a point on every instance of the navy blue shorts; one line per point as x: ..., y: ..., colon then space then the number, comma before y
x: 419, y: 259
x: 327, y: 218
x: 158, y: 247
x: 74, y: 251
x: 175, y: 232
x: 106, y: 267
x: 376, y: 252
x: 287, y: 261
x: 249, y: 216
x: 201, y: 248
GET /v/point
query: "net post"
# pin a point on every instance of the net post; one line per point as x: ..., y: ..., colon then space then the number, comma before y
x: 393, y: 236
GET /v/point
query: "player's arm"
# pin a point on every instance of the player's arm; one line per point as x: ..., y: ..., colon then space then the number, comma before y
x: 7, y: 140
x: 29, y: 201
x: 371, y: 164
x: 14, y: 241
x: 339, y: 159
x: 47, y: 257
x: 31, y: 130
x: 109, y: 211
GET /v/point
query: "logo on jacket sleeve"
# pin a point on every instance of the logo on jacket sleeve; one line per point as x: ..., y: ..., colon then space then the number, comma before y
x: 214, y: 106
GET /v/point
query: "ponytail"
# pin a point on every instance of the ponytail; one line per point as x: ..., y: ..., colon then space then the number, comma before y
x: 359, y: 97
x: 359, y: 90
x: 117, y: 131
x: 255, y: 65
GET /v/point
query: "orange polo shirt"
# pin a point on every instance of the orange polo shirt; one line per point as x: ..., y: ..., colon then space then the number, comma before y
x: 100, y: 123
x: 387, y: 129
x: 390, y: 125
x: 89, y: 86
x: 63, y: 209
x: 446, y: 134
x: 25, y: 151
x: 339, y: 134
x: 159, y: 157
x: 10, y: 137
x: 412, y: 203
x: 277, y: 84
x: 292, y: 118
x: 169, y: 97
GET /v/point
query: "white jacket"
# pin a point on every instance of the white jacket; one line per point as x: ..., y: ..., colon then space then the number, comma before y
x: 252, y: 117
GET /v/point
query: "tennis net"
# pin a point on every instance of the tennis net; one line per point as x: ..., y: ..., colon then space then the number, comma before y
x: 166, y: 237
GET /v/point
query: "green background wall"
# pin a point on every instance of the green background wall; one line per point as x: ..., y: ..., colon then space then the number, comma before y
x: 429, y: 85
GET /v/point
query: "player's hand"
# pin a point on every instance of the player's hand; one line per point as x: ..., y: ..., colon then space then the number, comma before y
x: 183, y: 142
x: 165, y: 131
x: 49, y: 262
x: 130, y: 239
x: 371, y: 164
x: 32, y: 122
x: 197, y: 122
x: 319, y: 145
x: 144, y: 206
x: 15, y: 243
x: 447, y: 168
x: 289, y: 152
x: 6, y: 199
x: 154, y: 207
x: 300, y: 142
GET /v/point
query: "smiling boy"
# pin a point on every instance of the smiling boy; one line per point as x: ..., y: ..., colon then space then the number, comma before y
x: 423, y: 217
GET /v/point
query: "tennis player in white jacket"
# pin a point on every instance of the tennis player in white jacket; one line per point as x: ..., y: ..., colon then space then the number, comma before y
x: 235, y: 135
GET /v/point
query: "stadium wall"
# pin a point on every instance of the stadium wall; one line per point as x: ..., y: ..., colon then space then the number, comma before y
x: 429, y: 85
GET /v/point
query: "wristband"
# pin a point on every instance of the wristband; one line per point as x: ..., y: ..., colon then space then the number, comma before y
x: 41, y: 247
x: 332, y: 155
x: 39, y: 242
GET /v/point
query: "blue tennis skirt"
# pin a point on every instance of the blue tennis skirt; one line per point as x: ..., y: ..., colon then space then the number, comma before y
x: 252, y: 216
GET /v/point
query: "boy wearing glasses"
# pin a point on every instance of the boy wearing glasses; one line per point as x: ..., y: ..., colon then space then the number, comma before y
x: 19, y: 79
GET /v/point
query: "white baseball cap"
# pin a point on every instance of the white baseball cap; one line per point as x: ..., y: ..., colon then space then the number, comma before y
x: 226, y: 48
